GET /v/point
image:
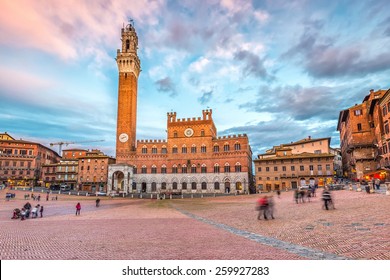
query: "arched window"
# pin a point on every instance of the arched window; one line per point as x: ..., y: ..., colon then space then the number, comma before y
x: 237, y: 146
x: 154, y: 186
x: 202, y: 132
x: 193, y: 149
x: 174, y: 169
x: 193, y: 168
x: 174, y: 185
x: 154, y: 150
x: 237, y: 167
x: 144, y: 150
x: 216, y: 168
x: 127, y: 44
x: 154, y: 169
x: 203, y: 168
x: 204, y: 186
x: 184, y: 185
x: 175, y: 134
x: 135, y: 169
x: 193, y: 185
x: 226, y: 147
x: 216, y: 185
x: 143, y: 169
x: 174, y: 150
x: 203, y: 148
x: 163, y: 186
x: 164, y: 150
x: 184, y: 169
x: 163, y: 169
x: 216, y: 148
x: 226, y: 168
x: 184, y: 149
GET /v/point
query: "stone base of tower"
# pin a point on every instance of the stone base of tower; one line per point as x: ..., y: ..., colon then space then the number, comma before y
x: 120, y: 179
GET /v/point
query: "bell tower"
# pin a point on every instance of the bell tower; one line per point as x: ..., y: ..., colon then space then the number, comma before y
x: 129, y: 67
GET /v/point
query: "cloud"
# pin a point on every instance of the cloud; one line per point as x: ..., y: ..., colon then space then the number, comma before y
x: 324, y: 57
x: 199, y: 65
x: 299, y: 103
x: 206, y: 97
x: 66, y: 29
x: 253, y: 65
x: 166, y: 85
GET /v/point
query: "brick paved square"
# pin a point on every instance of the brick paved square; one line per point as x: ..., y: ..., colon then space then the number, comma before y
x: 197, y: 229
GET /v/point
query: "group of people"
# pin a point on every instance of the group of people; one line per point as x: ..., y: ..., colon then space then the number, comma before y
x: 301, y: 194
x: 27, y: 211
x: 265, y: 204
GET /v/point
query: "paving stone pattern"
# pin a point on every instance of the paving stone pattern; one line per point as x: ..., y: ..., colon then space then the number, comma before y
x: 190, y: 229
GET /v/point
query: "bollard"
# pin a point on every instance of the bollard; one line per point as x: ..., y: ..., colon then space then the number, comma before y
x: 350, y: 187
x: 151, y: 196
x: 170, y: 196
x: 201, y: 196
x: 78, y: 193
x: 192, y: 195
x: 358, y: 189
x: 140, y: 196
x: 182, y: 196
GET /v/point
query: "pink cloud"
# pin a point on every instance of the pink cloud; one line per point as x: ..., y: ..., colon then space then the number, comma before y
x: 66, y: 28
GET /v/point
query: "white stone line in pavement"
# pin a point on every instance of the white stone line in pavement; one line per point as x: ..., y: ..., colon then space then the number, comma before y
x: 305, y: 252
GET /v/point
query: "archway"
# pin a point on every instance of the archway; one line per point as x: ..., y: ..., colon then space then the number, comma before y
x: 227, y: 186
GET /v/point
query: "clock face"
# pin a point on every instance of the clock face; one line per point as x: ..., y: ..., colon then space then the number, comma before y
x: 188, y: 132
x: 123, y: 137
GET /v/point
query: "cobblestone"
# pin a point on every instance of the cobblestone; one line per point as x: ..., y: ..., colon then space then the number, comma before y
x: 208, y: 228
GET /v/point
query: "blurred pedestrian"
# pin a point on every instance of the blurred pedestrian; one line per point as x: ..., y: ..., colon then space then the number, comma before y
x: 270, y: 207
x: 97, y: 202
x: 327, y: 198
x: 78, y: 208
x: 41, y: 211
x: 377, y: 184
x: 262, y: 205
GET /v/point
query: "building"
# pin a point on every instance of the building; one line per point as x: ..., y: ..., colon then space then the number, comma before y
x: 21, y: 161
x: 358, y: 140
x: 337, y: 162
x: 93, y: 171
x: 301, y: 163
x: 193, y: 158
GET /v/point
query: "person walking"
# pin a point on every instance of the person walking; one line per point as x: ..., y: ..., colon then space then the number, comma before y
x: 270, y: 207
x: 326, y: 197
x: 78, y: 208
x: 262, y: 207
x: 377, y: 184
x: 97, y: 202
x: 41, y: 211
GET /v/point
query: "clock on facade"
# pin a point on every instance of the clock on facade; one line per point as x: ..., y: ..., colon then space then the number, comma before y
x: 123, y: 137
x: 188, y: 132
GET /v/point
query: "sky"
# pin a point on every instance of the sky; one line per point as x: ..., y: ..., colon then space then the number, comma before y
x: 276, y: 70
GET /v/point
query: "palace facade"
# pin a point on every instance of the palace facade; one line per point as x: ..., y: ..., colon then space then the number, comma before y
x: 193, y: 158
x: 21, y: 161
x: 305, y: 162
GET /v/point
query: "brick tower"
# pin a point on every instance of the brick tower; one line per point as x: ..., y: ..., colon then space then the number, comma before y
x: 129, y: 69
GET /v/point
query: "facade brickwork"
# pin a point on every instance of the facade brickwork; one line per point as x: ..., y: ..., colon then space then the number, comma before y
x: 358, y: 141
x: 289, y: 166
x: 21, y: 161
x: 93, y: 171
